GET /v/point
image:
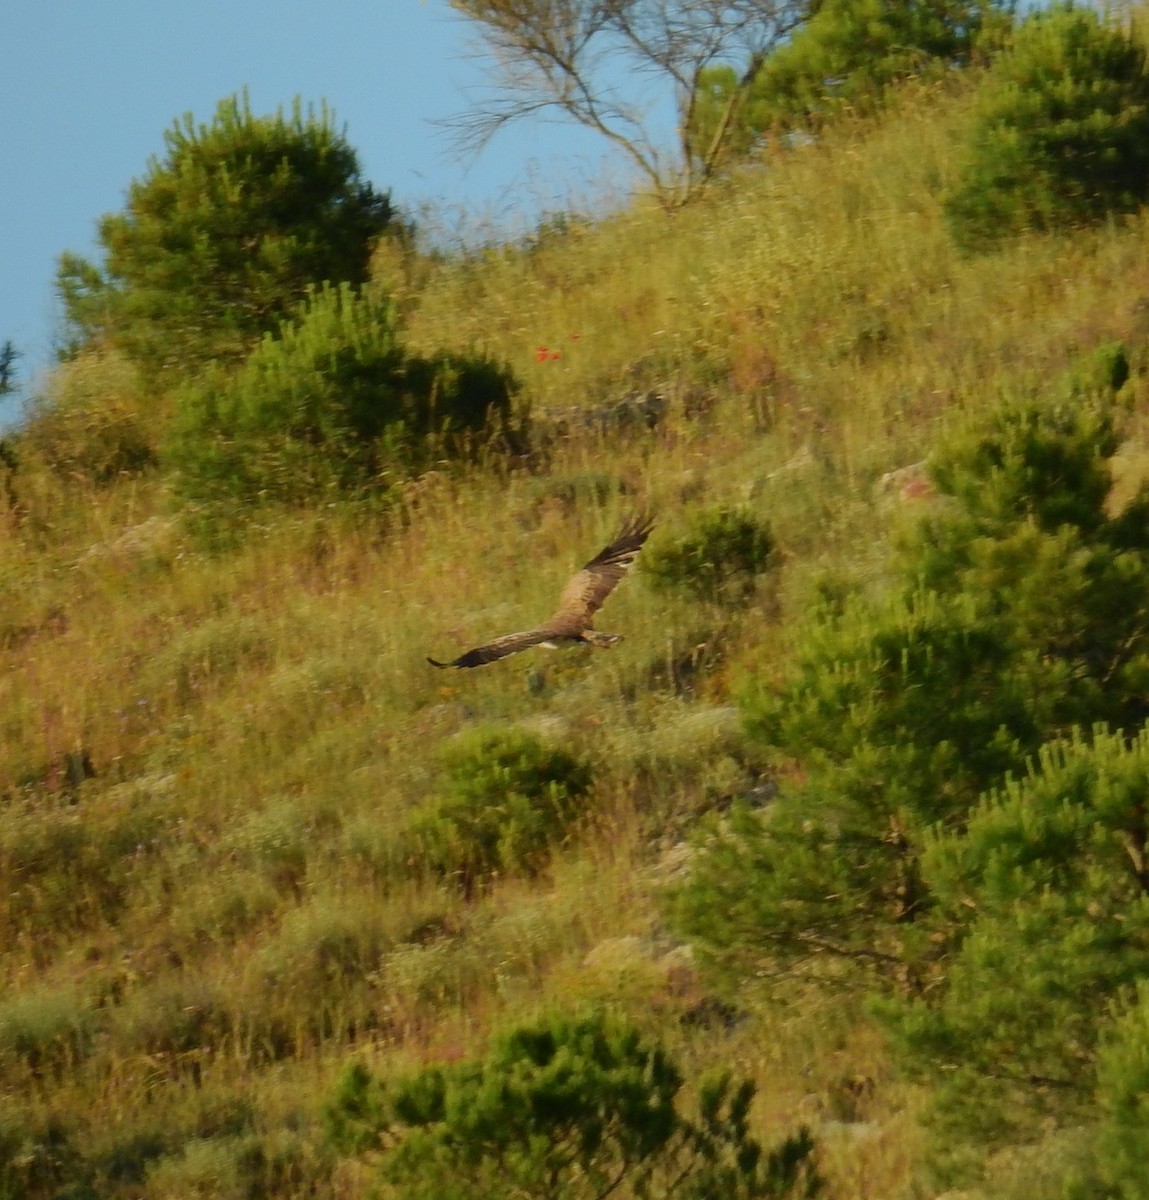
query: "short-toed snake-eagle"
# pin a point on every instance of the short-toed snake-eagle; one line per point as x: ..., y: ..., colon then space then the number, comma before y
x: 581, y: 599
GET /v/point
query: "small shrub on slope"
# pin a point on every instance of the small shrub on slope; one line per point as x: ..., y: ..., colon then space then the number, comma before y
x: 510, y: 798
x: 718, y: 559
x: 335, y: 405
x: 565, y: 1110
x: 91, y: 424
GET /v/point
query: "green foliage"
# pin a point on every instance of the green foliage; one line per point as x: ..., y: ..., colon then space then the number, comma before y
x: 1048, y: 893
x: 333, y: 405
x: 45, y: 1034
x: 224, y: 236
x: 718, y: 559
x: 1104, y: 372
x: 1123, y: 1090
x: 564, y: 1109
x: 40, y: 1160
x: 845, y: 56
x: 1021, y: 615
x: 269, y: 712
x: 509, y: 798
x: 1061, y: 131
x: 42, y: 901
x: 8, y: 358
x: 245, y: 1166
x: 1045, y: 466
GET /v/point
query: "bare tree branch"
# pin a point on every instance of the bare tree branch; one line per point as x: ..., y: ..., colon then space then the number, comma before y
x: 560, y: 55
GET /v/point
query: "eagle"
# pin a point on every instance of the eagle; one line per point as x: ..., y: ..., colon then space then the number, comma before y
x: 582, y: 597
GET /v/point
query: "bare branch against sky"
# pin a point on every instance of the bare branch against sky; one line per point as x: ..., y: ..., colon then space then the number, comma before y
x: 567, y: 56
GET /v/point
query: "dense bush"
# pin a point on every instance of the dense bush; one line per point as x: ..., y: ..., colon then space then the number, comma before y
x: 564, y: 1110
x: 1123, y: 1092
x: 1021, y: 613
x: 1047, y: 891
x: 224, y: 236
x: 1061, y: 131
x: 718, y: 558
x: 845, y: 57
x: 334, y: 404
x: 509, y: 798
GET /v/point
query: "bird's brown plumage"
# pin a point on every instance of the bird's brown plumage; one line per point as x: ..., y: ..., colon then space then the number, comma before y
x: 583, y: 596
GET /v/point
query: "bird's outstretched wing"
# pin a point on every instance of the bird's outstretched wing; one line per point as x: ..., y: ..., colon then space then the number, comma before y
x: 583, y: 596
x: 581, y: 599
x: 510, y: 643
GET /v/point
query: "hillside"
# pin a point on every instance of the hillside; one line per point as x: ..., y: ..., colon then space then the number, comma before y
x: 215, y: 751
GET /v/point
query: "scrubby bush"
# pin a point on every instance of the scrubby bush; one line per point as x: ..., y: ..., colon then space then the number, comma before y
x: 43, y: 1034
x: 1105, y: 371
x: 92, y: 422
x: 564, y: 1110
x: 1061, y: 131
x: 39, y: 1160
x: 224, y: 236
x: 1047, y: 894
x: 717, y: 559
x: 1019, y: 614
x: 845, y: 57
x: 63, y: 871
x: 509, y: 798
x: 1123, y: 1091
x: 333, y: 405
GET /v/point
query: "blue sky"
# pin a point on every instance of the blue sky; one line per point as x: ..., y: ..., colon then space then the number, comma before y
x: 90, y: 86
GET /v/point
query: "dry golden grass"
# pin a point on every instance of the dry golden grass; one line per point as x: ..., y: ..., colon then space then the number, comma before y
x: 195, y: 937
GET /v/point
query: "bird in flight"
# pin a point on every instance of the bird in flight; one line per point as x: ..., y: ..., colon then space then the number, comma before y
x: 582, y: 597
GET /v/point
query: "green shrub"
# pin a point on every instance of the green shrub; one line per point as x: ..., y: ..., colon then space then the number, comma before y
x: 62, y: 871
x: 333, y: 405
x: 39, y: 1160
x: 1024, y: 462
x: 1045, y: 890
x: 1061, y: 131
x: 563, y: 1110
x: 313, y: 980
x: 45, y: 1033
x: 1123, y: 1092
x: 1019, y: 614
x: 179, y: 1022
x: 718, y: 559
x: 510, y: 797
x: 846, y: 57
x: 1104, y: 371
x: 224, y: 236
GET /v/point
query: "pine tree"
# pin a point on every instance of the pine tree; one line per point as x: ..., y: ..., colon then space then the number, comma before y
x: 1020, y: 613
x: 1061, y: 130
x: 224, y: 236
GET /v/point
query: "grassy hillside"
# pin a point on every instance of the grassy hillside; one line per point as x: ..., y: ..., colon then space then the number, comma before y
x: 211, y: 756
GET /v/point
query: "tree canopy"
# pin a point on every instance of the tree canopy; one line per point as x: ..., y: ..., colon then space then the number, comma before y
x: 846, y: 56
x: 223, y: 236
x: 1061, y: 130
